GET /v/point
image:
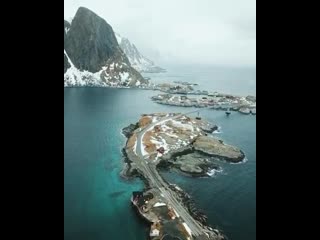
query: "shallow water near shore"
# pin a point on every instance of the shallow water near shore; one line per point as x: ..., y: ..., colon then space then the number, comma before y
x: 97, y: 200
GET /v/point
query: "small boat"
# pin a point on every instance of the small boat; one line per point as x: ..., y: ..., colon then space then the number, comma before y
x: 228, y: 112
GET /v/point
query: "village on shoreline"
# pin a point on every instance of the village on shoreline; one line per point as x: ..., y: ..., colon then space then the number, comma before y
x: 182, y: 94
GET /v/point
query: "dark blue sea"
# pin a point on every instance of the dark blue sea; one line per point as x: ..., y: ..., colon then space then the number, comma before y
x: 97, y: 201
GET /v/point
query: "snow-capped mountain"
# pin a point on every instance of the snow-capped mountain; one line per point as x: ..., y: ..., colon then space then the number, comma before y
x: 92, y: 55
x: 137, y: 60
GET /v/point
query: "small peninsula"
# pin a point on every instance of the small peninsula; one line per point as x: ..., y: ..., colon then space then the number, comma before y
x: 216, y: 101
x: 185, y: 144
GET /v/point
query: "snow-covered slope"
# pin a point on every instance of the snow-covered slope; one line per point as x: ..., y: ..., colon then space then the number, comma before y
x: 92, y: 55
x: 114, y: 74
x: 137, y: 60
x: 76, y: 78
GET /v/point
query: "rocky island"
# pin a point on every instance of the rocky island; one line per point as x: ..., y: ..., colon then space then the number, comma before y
x: 217, y: 101
x: 182, y: 143
x: 177, y: 88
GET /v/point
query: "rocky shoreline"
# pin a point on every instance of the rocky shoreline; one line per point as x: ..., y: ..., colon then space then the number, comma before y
x: 191, y: 151
x: 185, y: 198
x: 195, y: 161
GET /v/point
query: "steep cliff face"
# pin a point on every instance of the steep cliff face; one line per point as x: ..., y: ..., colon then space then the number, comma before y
x: 66, y: 29
x: 92, y: 56
x: 66, y: 63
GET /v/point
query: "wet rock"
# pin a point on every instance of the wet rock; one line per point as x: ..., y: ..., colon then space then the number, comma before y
x: 216, y: 148
x: 128, y: 131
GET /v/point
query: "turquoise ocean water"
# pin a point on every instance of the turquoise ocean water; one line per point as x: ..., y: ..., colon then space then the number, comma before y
x: 96, y: 199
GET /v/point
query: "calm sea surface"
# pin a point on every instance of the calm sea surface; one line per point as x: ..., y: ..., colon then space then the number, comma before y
x: 96, y: 199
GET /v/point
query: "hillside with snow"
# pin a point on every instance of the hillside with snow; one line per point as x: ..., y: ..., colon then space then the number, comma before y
x: 137, y: 60
x: 92, y: 55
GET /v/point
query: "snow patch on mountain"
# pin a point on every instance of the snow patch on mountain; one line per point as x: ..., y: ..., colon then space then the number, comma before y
x: 112, y: 75
x: 136, y: 59
x: 76, y: 78
x: 66, y: 29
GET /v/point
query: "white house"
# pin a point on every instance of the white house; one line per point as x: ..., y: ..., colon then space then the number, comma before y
x: 154, y: 233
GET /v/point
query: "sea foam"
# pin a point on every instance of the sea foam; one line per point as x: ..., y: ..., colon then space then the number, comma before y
x: 212, y: 172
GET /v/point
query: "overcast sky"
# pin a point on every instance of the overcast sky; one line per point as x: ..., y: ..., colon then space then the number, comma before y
x: 219, y: 32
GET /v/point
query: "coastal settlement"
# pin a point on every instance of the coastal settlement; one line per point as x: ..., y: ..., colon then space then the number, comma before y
x: 182, y: 143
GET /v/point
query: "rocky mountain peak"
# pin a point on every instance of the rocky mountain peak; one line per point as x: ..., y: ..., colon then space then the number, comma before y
x: 137, y: 60
x: 91, y: 47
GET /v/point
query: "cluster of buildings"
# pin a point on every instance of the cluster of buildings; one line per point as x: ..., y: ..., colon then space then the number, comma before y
x: 165, y: 221
x: 213, y: 100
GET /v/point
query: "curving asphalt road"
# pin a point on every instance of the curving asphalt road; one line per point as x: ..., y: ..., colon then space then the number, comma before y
x: 151, y: 173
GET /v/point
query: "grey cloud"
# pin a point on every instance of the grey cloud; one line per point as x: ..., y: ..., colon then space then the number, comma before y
x: 182, y: 31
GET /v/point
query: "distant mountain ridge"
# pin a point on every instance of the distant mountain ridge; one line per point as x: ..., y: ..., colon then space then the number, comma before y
x: 92, y: 55
x: 137, y: 60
